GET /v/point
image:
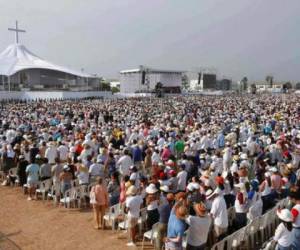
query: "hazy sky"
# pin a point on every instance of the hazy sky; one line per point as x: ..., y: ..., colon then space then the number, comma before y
x: 237, y: 37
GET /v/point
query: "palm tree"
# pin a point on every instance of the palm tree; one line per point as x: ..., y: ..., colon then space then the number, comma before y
x: 185, y: 81
x: 270, y: 79
x: 244, y: 82
x: 253, y: 88
x: 159, y: 89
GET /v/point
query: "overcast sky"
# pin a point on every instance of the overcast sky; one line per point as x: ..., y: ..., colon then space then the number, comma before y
x: 237, y: 37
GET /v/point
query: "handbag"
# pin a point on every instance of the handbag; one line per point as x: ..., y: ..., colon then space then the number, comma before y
x: 93, y: 196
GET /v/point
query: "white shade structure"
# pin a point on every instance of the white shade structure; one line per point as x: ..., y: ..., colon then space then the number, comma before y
x: 16, y: 57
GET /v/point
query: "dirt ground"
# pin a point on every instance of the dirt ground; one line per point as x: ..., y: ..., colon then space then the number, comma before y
x: 38, y: 225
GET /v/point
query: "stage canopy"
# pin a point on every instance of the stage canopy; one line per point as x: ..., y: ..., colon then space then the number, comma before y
x: 16, y: 57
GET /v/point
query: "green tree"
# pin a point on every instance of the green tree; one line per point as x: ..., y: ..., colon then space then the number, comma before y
x: 253, y: 88
x: 185, y: 82
x: 159, y: 89
x: 244, y: 83
x: 115, y: 90
x: 270, y: 80
x: 104, y: 85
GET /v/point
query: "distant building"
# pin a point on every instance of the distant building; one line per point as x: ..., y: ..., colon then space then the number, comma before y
x: 262, y: 86
x: 144, y: 79
x: 202, y: 81
x: 224, y: 84
x: 115, y: 84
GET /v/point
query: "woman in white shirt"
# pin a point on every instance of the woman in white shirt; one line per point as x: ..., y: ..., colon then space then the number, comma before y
x: 152, y: 202
x: 241, y: 206
x: 266, y: 195
x: 283, y: 233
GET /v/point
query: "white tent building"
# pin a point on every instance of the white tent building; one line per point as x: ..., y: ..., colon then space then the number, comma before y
x: 144, y: 79
x: 20, y: 68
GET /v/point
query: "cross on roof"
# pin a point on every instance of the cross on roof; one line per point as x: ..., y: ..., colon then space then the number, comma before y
x: 17, y: 30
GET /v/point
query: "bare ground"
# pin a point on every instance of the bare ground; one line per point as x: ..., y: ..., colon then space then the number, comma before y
x: 38, y: 225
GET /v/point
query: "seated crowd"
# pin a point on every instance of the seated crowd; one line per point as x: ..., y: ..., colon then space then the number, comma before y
x: 185, y: 160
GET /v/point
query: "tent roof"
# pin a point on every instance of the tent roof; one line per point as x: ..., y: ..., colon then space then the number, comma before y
x: 16, y: 57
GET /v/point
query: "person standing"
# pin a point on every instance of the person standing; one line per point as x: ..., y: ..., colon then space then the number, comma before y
x: 133, y: 207
x: 219, y: 213
x: 283, y: 233
x: 164, y: 214
x: 32, y: 171
x: 176, y: 226
x: 99, y: 199
x: 199, y: 227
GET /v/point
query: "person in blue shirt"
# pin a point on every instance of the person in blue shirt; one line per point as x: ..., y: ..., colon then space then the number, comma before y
x: 136, y: 153
x: 32, y: 171
x: 176, y: 227
x: 221, y: 140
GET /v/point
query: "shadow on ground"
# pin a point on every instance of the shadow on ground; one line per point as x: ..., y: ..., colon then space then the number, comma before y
x: 6, y: 243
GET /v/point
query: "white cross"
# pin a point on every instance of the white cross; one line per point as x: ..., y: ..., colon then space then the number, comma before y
x: 17, y: 30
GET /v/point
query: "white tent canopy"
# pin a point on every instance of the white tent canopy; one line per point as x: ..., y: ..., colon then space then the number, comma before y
x: 16, y: 57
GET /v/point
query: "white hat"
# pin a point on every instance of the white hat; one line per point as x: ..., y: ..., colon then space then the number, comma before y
x: 165, y: 188
x: 225, y: 174
x: 208, y: 192
x: 196, y: 185
x: 66, y: 167
x: 151, y: 189
x: 38, y: 156
x: 133, y: 177
x: 217, y: 191
x: 273, y: 169
x: 244, y: 156
x: 267, y: 174
x: 285, y: 215
x: 190, y: 187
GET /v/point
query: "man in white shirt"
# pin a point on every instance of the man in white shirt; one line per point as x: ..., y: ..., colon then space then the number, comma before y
x: 182, y: 178
x: 199, y: 227
x: 124, y: 163
x: 96, y: 169
x: 133, y: 206
x: 63, y: 152
x: 219, y: 213
x: 51, y: 153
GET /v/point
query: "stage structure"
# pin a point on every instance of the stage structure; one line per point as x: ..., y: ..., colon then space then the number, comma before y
x: 145, y: 80
x: 20, y: 69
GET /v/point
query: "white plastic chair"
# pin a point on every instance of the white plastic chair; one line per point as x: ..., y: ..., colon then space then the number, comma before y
x: 2, y: 176
x: 123, y: 225
x: 82, y: 193
x: 13, y: 172
x: 150, y: 235
x: 43, y: 189
x: 112, y: 215
x: 70, y: 196
x: 142, y: 220
x: 55, y: 192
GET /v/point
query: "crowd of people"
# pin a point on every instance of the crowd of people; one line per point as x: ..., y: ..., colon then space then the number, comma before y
x: 186, y: 159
